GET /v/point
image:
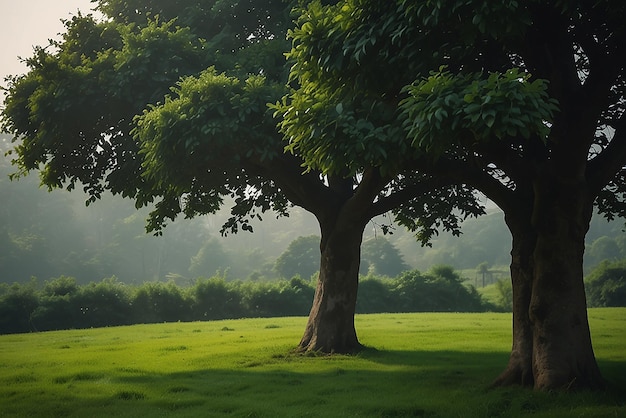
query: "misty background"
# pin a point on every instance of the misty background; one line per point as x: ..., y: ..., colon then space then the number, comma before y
x: 48, y: 234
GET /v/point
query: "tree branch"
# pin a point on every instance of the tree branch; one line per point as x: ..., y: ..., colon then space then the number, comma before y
x: 304, y: 189
x: 468, y: 171
x: 603, y: 168
x: 387, y: 203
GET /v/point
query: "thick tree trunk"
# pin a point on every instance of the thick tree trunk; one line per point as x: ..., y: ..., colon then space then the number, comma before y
x: 551, y: 340
x: 519, y: 370
x: 330, y: 328
x: 563, y: 356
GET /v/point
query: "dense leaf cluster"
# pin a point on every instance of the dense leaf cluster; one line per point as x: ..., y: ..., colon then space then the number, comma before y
x: 63, y: 304
x: 606, y: 284
x: 74, y: 111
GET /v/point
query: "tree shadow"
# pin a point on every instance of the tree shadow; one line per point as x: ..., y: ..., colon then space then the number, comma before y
x: 411, y: 383
x: 373, y: 383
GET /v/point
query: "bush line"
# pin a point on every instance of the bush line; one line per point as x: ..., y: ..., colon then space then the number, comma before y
x: 61, y: 303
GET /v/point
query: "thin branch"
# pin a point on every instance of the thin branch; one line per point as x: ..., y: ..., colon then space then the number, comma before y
x: 603, y: 168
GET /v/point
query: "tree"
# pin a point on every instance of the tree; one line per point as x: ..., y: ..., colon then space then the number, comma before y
x: 379, y: 256
x: 301, y: 258
x: 210, y: 258
x: 606, y: 284
x: 604, y: 248
x: 522, y: 100
x: 168, y: 105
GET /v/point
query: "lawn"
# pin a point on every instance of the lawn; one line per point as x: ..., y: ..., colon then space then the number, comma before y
x: 415, y: 365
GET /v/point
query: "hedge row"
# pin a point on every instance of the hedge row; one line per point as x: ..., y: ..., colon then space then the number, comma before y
x: 63, y: 304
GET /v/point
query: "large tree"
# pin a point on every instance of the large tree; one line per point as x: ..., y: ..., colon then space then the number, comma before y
x: 522, y: 100
x: 166, y: 102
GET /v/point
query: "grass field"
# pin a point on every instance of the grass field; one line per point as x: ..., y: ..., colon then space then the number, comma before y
x: 416, y: 365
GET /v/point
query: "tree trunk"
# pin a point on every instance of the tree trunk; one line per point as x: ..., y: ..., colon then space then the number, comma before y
x: 330, y: 328
x: 563, y: 356
x: 519, y: 369
x: 551, y: 339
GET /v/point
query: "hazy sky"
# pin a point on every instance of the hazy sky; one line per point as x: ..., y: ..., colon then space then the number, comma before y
x: 26, y: 23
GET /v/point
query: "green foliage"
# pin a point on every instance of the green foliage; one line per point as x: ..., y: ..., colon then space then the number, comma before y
x: 106, y: 73
x: 209, y: 259
x: 214, y: 298
x: 380, y: 257
x: 104, y: 303
x: 604, y: 248
x: 58, y: 306
x: 285, y: 298
x: 440, y: 289
x: 211, y: 121
x: 475, y: 108
x: 375, y: 295
x: 64, y: 304
x: 333, y: 127
x: 606, y: 284
x: 302, y: 257
x: 100, y: 76
x: 504, y: 295
x: 62, y: 286
x: 16, y: 306
x: 160, y: 302
x: 425, y: 102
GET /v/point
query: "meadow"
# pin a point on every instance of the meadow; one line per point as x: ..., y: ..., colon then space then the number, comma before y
x: 414, y: 365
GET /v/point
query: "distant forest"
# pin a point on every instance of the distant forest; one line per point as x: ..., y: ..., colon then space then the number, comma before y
x: 49, y: 234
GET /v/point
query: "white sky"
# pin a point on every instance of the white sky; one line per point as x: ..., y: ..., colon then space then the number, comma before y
x: 27, y: 23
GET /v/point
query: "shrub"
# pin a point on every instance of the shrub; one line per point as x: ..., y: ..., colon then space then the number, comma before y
x: 56, y: 312
x: 606, y: 284
x: 16, y: 308
x: 505, y: 295
x: 214, y: 298
x: 63, y: 304
x: 160, y: 302
x: 283, y: 298
x: 105, y: 303
x: 440, y: 290
x: 375, y: 295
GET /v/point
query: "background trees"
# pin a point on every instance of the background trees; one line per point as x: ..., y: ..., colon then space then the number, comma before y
x: 606, y: 285
x: 300, y: 258
x: 380, y: 257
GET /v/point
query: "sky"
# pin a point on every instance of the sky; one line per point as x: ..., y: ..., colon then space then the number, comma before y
x: 27, y: 23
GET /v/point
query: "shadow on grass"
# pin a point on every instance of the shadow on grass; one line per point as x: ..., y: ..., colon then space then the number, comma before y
x: 374, y: 383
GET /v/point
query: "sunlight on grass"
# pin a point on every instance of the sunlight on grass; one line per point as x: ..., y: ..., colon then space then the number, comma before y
x: 421, y: 365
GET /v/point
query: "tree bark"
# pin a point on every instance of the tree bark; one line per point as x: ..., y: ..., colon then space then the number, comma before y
x: 552, y: 347
x: 519, y: 368
x: 330, y: 327
x: 563, y: 356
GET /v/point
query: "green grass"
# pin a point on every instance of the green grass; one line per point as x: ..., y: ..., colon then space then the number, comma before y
x: 416, y: 365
